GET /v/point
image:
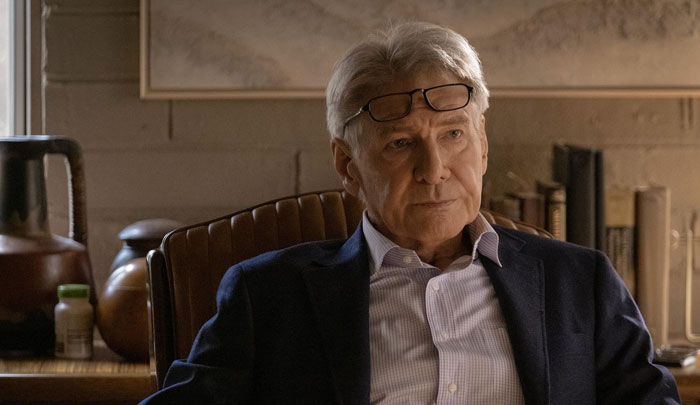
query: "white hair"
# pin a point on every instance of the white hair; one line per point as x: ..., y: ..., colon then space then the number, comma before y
x: 407, y: 48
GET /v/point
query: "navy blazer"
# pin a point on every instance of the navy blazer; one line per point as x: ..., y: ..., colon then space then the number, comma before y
x: 292, y: 326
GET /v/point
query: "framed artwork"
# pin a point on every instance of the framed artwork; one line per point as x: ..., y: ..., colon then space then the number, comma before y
x: 286, y: 49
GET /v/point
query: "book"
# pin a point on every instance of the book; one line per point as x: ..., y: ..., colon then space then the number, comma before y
x: 506, y: 206
x: 619, y: 233
x: 653, y: 235
x: 554, y: 208
x: 599, y: 185
x: 531, y: 207
x: 580, y: 170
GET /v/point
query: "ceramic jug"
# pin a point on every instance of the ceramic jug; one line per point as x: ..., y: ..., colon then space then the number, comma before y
x: 34, y: 262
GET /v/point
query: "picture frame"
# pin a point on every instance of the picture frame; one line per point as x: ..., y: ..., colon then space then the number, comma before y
x: 220, y: 49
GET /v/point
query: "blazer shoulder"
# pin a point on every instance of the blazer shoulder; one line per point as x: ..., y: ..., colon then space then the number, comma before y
x: 549, y: 250
x: 301, y: 254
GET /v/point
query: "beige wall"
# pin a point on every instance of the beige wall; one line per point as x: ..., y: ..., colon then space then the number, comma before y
x: 192, y: 160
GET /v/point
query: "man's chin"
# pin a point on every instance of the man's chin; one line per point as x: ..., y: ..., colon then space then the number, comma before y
x: 437, y: 228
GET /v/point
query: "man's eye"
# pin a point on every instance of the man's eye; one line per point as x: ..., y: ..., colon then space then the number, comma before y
x: 399, y: 143
x: 455, y: 133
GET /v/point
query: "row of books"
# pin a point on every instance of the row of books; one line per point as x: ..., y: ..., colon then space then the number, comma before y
x: 544, y: 208
x: 631, y: 225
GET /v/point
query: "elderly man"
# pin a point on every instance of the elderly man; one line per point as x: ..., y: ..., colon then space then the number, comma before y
x: 426, y: 302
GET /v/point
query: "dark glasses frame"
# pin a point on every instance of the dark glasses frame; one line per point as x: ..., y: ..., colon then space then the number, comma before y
x: 366, y: 107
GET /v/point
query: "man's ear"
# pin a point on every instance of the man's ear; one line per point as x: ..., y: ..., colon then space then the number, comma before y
x: 346, y: 167
x: 484, y: 145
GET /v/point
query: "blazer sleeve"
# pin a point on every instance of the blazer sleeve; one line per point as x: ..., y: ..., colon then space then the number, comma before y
x: 624, y: 350
x: 220, y: 364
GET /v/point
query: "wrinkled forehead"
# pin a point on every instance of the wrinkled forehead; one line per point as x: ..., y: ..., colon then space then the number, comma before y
x: 435, y: 119
x: 421, y: 79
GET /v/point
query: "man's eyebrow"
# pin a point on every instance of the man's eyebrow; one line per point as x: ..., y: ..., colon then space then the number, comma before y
x: 396, y: 126
x: 454, y: 119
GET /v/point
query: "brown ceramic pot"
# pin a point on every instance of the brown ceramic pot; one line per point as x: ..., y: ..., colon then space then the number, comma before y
x: 122, y: 314
x: 124, y: 299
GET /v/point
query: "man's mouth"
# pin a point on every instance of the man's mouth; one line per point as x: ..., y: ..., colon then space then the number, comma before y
x: 435, y: 204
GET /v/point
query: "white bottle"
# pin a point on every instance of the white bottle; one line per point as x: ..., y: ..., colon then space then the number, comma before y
x: 74, y: 322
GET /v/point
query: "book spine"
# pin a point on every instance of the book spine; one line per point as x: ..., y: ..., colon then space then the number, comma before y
x: 653, y: 219
x: 620, y: 250
x: 533, y: 210
x: 599, y: 196
x: 575, y: 168
x: 554, y: 208
x: 531, y: 207
x: 619, y: 232
x: 507, y: 206
x: 556, y: 216
x: 560, y: 164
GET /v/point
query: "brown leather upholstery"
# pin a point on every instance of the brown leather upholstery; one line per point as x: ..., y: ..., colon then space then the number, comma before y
x: 185, y: 271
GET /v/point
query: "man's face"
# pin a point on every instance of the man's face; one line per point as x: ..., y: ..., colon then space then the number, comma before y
x: 420, y: 176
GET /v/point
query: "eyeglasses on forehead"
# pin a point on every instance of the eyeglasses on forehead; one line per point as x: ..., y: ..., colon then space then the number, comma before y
x: 394, y: 106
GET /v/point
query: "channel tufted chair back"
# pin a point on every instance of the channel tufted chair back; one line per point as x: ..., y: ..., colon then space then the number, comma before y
x: 184, y: 273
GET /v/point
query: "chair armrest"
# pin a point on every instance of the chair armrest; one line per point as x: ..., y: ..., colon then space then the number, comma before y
x: 160, y: 326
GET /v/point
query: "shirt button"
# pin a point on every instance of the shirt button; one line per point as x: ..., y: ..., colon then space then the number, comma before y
x: 443, y: 335
x: 452, y: 387
x: 436, y: 286
x: 407, y: 259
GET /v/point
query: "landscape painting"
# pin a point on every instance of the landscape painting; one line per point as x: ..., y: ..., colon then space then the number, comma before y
x: 281, y: 48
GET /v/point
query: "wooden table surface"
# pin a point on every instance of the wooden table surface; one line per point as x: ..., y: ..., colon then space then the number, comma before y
x: 104, y: 379
x: 109, y: 379
x: 688, y: 381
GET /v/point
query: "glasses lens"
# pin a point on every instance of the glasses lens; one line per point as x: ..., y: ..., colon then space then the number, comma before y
x: 391, y: 107
x: 449, y: 97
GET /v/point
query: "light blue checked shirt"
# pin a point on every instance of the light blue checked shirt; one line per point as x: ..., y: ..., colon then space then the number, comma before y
x: 438, y: 337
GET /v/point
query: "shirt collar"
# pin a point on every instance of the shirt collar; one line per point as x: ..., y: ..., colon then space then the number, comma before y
x: 484, y: 241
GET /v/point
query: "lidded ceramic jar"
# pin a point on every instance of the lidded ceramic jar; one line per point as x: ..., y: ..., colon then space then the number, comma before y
x: 142, y: 236
x: 122, y: 314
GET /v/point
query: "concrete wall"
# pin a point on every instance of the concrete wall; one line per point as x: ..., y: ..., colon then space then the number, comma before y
x: 192, y: 160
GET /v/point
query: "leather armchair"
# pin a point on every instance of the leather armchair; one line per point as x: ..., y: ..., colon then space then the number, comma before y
x: 184, y: 273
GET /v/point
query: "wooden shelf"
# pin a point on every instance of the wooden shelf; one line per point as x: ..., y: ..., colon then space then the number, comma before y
x: 688, y: 381
x: 104, y: 379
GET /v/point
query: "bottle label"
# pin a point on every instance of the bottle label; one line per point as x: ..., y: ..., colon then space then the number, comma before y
x: 74, y: 334
x: 75, y: 343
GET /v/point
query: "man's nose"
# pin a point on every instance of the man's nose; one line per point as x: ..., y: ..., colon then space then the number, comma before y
x: 431, y: 164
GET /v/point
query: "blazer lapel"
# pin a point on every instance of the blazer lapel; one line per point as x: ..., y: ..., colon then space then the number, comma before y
x: 339, y: 293
x: 519, y: 285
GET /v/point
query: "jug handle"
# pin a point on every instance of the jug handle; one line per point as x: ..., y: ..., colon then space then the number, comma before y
x: 76, y: 186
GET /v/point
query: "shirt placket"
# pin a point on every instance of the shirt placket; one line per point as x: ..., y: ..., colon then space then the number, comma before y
x: 442, y: 330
